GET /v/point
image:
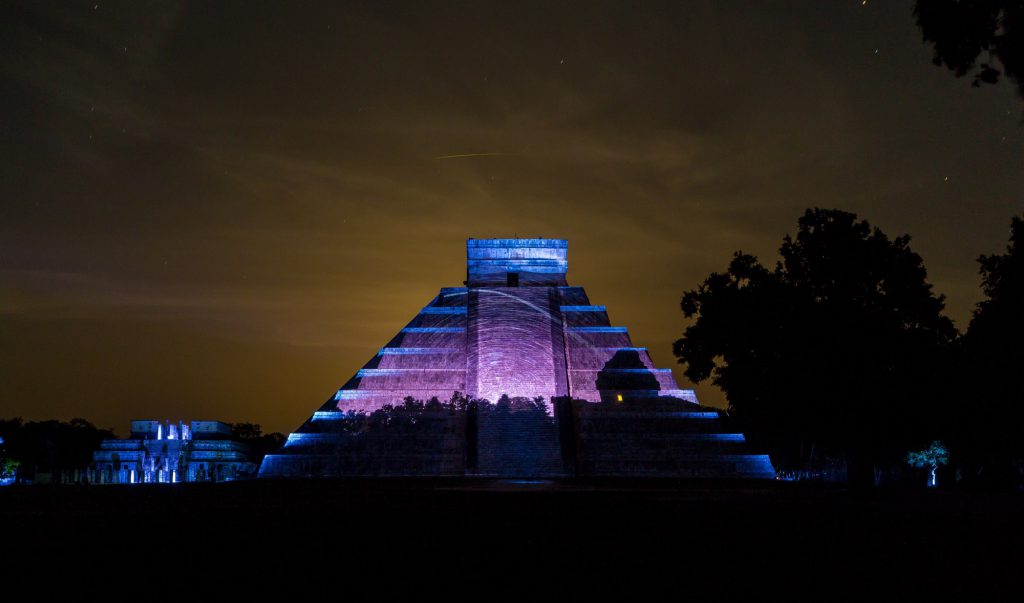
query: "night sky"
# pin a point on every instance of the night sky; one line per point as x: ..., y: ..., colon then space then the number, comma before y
x: 222, y: 210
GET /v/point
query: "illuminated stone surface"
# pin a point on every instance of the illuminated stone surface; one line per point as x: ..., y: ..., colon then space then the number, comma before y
x: 164, y: 452
x: 516, y: 330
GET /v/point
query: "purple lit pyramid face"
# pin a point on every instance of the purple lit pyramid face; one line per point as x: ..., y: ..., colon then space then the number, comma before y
x: 517, y: 329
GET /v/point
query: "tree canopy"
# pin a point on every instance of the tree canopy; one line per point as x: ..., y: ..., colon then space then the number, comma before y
x: 963, y: 32
x: 830, y: 350
x: 992, y: 365
x: 261, y: 443
x: 51, y: 445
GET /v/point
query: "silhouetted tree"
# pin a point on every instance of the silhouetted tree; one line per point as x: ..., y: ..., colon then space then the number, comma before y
x: 989, y: 437
x: 261, y: 443
x: 265, y: 444
x: 246, y: 431
x: 835, y: 351
x: 51, y: 446
x: 961, y: 31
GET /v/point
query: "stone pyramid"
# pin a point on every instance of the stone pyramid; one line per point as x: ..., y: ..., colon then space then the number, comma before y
x: 514, y: 374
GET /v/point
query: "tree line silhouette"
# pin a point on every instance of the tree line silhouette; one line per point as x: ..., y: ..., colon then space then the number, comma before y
x: 841, y: 351
x: 28, y: 448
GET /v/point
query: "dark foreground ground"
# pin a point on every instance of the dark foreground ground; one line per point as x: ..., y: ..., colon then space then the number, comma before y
x: 477, y: 539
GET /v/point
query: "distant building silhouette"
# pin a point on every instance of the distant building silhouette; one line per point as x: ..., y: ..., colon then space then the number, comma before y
x: 165, y: 452
x: 551, y: 388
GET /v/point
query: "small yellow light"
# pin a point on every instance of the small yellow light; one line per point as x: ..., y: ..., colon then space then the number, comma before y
x: 618, y: 397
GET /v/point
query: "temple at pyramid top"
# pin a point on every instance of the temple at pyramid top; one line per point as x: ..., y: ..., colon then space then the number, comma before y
x: 516, y: 262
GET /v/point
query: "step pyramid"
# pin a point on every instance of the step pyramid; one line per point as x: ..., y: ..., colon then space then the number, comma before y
x: 514, y: 374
